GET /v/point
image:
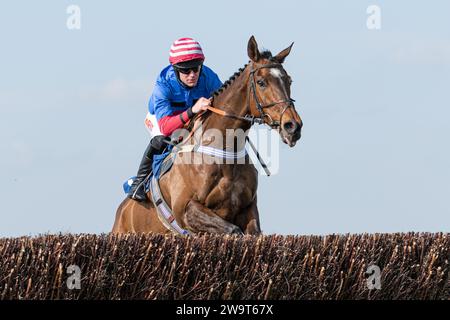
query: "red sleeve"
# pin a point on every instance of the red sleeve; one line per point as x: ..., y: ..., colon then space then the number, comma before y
x: 169, y: 124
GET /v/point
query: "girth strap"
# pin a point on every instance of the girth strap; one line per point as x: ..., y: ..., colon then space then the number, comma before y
x: 163, y: 210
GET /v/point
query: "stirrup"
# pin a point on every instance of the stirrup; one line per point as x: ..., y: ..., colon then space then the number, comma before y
x: 139, y: 193
x: 140, y: 197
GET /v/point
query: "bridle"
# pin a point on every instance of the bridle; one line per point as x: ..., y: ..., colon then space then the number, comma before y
x: 289, y: 103
x: 260, y: 107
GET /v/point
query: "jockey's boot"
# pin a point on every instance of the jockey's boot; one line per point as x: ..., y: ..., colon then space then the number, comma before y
x: 137, y: 191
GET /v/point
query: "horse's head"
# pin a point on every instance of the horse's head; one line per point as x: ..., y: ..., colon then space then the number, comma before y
x: 270, y: 92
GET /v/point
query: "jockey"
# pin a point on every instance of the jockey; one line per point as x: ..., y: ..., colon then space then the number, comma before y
x: 182, y: 89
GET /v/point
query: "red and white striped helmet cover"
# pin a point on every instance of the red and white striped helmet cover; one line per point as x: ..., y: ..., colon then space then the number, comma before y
x: 185, y: 49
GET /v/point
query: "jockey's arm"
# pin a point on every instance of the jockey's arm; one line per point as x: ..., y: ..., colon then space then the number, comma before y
x: 169, y: 121
x: 168, y: 124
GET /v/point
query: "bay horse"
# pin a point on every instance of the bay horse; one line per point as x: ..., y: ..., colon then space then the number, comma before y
x: 221, y: 197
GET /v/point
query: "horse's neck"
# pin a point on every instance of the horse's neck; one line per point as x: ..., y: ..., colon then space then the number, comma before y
x: 228, y: 133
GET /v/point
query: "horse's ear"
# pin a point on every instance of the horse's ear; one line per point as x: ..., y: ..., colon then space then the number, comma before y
x: 252, y: 49
x: 283, y: 54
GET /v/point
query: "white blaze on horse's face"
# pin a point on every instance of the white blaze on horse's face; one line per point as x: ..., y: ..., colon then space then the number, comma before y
x: 277, y: 74
x: 290, y: 128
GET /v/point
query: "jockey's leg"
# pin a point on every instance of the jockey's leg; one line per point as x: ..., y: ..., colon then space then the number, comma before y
x: 199, y: 218
x: 137, y: 191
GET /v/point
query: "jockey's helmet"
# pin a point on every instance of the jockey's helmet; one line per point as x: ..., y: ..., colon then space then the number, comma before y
x: 186, y: 53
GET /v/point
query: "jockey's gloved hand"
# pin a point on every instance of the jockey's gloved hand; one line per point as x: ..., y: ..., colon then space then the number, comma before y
x: 201, y: 105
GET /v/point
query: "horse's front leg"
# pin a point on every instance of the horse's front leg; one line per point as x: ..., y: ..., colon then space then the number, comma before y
x: 248, y: 220
x: 199, y: 218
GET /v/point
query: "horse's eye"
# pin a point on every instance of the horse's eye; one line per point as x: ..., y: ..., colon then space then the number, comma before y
x: 290, y: 80
x: 261, y: 83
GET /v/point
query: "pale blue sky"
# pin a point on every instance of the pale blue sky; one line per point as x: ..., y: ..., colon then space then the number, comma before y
x: 374, y: 155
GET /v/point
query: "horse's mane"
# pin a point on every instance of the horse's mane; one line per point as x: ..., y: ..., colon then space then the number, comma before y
x: 266, y: 54
x: 227, y: 83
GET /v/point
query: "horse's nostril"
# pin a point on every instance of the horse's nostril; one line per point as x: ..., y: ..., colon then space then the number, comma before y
x: 292, y: 127
x: 289, y: 126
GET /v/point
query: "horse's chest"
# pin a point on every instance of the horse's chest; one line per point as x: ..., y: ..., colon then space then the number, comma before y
x: 232, y: 192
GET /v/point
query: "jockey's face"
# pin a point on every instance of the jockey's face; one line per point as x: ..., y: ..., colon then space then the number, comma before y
x: 190, y: 79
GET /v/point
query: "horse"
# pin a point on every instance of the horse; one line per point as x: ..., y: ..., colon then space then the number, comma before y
x: 222, y: 197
